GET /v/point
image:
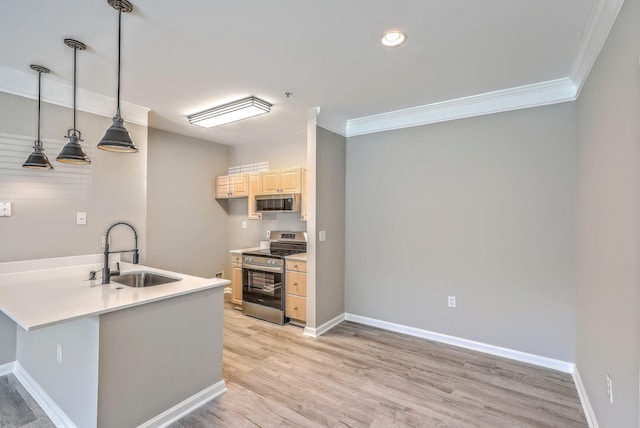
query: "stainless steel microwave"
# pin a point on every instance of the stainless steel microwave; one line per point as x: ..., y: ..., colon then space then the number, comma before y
x: 286, y: 203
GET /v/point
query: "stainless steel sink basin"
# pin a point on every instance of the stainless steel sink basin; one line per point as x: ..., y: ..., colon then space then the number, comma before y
x: 144, y: 279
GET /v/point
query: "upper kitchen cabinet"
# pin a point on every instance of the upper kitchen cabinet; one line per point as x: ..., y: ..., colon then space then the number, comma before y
x: 255, y: 188
x: 232, y: 186
x: 281, y: 181
x: 303, y: 202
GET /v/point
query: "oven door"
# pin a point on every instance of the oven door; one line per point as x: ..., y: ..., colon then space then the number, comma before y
x: 263, y: 285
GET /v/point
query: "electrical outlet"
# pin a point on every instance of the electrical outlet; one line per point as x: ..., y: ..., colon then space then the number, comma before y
x: 5, y: 209
x: 244, y: 224
x: 610, y: 389
x: 81, y: 218
x: 451, y: 301
x: 59, y: 354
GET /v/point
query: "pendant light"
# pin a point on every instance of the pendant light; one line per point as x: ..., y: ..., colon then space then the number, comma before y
x: 117, y: 138
x: 37, y: 159
x: 73, y: 152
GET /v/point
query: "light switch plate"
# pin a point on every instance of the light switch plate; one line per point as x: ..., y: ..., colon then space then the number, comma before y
x: 5, y: 209
x: 323, y: 235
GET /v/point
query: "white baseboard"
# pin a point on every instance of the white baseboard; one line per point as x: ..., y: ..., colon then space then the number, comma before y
x: 181, y: 409
x: 584, y: 399
x: 7, y: 368
x: 55, y: 413
x: 512, y: 354
x: 319, y: 331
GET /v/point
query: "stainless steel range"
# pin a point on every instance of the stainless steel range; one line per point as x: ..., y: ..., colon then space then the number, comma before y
x: 263, y: 277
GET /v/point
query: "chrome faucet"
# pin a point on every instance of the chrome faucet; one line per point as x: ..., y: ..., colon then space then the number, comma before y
x: 106, y: 272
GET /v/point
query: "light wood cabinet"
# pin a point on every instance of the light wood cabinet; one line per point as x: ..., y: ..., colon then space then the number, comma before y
x: 236, y: 279
x: 255, y: 188
x: 232, y: 186
x: 296, y: 308
x: 280, y: 181
x: 303, y: 202
x: 296, y: 290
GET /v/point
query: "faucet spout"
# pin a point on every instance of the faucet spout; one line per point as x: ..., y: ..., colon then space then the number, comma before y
x: 106, y: 272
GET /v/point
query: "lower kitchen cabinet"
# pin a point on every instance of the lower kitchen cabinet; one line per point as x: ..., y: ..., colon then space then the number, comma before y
x: 236, y: 279
x: 296, y: 291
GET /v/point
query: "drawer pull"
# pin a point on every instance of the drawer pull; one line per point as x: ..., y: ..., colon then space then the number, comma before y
x: 295, y: 309
x: 295, y: 283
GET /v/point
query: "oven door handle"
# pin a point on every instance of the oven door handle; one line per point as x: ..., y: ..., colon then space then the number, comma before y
x: 263, y: 268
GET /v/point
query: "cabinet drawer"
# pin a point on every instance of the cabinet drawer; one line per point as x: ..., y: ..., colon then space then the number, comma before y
x: 296, y: 283
x: 296, y: 307
x: 297, y: 265
x: 236, y: 258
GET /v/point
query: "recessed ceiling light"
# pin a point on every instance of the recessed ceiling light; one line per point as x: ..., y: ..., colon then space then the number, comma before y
x: 394, y: 38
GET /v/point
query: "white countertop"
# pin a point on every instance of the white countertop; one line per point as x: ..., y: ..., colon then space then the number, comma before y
x: 240, y: 251
x: 39, y: 298
x: 301, y: 257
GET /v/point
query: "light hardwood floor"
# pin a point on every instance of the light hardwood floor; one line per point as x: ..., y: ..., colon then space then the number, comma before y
x: 360, y: 376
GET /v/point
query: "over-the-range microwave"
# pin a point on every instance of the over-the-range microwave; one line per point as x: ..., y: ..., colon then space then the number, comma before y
x: 285, y: 203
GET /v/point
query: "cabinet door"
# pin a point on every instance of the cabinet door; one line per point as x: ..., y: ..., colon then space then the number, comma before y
x: 239, y: 185
x: 270, y: 182
x: 296, y: 307
x: 254, y: 189
x: 297, y: 265
x: 296, y: 283
x: 222, y: 187
x: 303, y: 202
x: 236, y: 284
x: 290, y: 180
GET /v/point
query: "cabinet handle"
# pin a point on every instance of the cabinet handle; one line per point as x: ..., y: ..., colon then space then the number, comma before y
x: 295, y: 309
x: 295, y: 283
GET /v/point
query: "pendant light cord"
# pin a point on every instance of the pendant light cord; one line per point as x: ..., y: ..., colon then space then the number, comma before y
x: 119, y: 44
x: 39, y: 102
x: 75, y: 50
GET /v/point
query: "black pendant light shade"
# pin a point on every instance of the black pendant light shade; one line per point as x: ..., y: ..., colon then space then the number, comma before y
x: 117, y: 138
x: 73, y: 152
x: 37, y: 159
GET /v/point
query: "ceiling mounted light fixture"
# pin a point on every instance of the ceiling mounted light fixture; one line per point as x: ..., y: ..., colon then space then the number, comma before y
x: 37, y: 159
x: 117, y: 138
x: 73, y: 152
x: 394, y: 38
x: 231, y: 112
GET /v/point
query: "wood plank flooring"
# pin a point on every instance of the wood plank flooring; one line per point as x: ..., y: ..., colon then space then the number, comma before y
x: 359, y: 376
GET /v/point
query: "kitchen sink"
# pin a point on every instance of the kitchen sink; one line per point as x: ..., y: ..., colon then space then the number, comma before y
x: 144, y: 279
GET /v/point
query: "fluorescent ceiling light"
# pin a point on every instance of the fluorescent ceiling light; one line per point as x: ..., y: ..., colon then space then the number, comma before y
x: 394, y: 38
x: 231, y: 112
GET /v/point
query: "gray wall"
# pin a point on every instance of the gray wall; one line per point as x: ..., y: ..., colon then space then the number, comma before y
x: 185, y: 223
x: 330, y: 217
x: 138, y: 380
x: 36, y: 352
x: 608, y: 250
x: 7, y: 339
x: 117, y: 186
x: 482, y: 209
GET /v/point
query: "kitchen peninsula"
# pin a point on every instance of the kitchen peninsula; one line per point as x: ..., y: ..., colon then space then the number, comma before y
x: 112, y: 355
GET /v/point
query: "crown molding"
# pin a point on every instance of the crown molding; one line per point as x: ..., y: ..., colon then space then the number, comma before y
x: 603, y: 16
x: 537, y: 94
x: 58, y: 93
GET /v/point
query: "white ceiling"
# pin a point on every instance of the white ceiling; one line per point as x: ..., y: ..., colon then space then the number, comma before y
x: 180, y: 57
